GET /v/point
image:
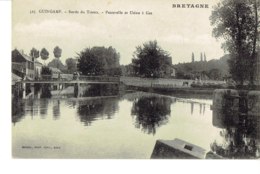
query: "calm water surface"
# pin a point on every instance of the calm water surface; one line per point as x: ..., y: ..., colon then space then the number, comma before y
x: 113, y: 127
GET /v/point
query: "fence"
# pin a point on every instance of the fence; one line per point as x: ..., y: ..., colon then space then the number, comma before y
x: 165, y: 83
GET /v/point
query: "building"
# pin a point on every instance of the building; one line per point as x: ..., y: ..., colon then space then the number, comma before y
x: 37, y: 69
x: 167, y: 71
x: 22, y: 65
x: 173, y: 71
x: 15, y: 79
x: 17, y: 89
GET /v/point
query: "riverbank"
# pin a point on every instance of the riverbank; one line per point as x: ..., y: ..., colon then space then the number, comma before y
x: 205, y: 93
x: 173, y: 87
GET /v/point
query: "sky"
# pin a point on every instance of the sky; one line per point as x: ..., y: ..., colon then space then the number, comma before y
x: 179, y: 31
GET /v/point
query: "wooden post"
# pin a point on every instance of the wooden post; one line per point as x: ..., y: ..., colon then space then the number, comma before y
x: 32, y: 88
x: 40, y: 91
x: 24, y: 90
x: 78, y: 84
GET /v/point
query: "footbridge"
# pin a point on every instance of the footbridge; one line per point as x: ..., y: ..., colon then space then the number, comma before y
x: 59, y: 83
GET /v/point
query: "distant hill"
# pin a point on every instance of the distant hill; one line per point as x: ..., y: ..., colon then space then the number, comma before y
x: 208, y: 67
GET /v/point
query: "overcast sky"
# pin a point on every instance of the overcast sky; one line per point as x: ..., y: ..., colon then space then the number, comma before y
x: 178, y: 31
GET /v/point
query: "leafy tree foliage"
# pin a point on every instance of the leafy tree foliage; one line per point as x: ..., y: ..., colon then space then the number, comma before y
x: 99, y: 61
x: 34, y: 53
x: 150, y: 60
x: 188, y: 70
x: 71, y: 65
x: 205, y: 58
x: 89, y: 63
x: 46, y: 72
x: 237, y: 22
x: 57, y: 52
x: 215, y: 74
x: 44, y: 54
x: 192, y: 57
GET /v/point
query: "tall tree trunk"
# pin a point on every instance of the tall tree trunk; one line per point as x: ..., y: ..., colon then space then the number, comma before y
x: 253, y: 56
x: 239, y: 47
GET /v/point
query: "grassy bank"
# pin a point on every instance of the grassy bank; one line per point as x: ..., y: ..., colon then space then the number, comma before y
x: 205, y: 93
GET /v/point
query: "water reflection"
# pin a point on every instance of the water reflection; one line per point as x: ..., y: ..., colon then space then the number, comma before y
x: 91, y: 110
x: 46, y: 91
x: 240, y: 135
x: 43, y: 107
x: 151, y: 113
x: 100, y: 90
x: 17, y: 110
x: 191, y: 108
x: 56, y: 109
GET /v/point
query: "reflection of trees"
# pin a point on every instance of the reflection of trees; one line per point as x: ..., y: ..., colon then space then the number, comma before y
x: 204, y: 106
x: 17, y: 110
x: 46, y: 91
x: 192, y: 107
x: 151, y: 112
x: 240, y: 136
x: 101, y: 90
x: 56, y: 109
x: 29, y: 107
x: 43, y: 107
x: 91, y: 110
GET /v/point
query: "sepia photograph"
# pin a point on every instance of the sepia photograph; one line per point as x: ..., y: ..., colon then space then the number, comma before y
x: 139, y: 79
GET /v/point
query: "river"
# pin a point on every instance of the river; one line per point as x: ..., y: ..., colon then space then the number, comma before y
x: 120, y: 127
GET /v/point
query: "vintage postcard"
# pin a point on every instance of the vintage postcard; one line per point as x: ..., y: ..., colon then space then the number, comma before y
x: 139, y: 79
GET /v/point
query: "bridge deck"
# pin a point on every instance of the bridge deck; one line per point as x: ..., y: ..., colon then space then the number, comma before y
x: 68, y: 82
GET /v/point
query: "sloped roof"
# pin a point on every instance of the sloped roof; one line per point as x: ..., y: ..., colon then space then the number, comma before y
x: 37, y: 62
x: 26, y: 57
x: 15, y: 78
x: 17, y: 66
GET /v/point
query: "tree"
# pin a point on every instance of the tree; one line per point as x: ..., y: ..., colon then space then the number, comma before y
x: 89, y: 63
x: 46, y: 72
x: 237, y: 22
x: 192, y: 57
x: 201, y: 58
x: 109, y: 57
x: 256, y: 8
x: 150, y: 60
x: 71, y: 65
x: 34, y: 53
x: 215, y: 74
x: 44, y: 54
x: 205, y: 58
x: 57, y: 52
x: 99, y: 61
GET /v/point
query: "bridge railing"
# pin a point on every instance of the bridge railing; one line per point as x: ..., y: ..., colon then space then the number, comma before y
x: 99, y: 78
x: 70, y: 77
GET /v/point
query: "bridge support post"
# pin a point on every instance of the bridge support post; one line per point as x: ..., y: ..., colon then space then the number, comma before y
x: 61, y: 86
x: 24, y: 90
x: 32, y: 88
x: 40, y: 92
x: 78, y: 85
x: 76, y: 90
